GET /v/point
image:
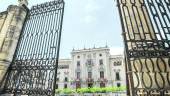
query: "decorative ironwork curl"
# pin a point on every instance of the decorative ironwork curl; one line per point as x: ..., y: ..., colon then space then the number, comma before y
x: 46, y: 7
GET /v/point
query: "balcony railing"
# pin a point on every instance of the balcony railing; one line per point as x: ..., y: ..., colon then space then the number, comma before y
x: 90, y: 80
x: 102, y: 80
x: 77, y: 80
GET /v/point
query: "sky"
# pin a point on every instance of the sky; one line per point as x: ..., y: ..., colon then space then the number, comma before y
x: 86, y: 23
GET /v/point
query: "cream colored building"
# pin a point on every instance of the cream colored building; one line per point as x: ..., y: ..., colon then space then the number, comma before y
x: 63, y: 73
x: 93, y: 67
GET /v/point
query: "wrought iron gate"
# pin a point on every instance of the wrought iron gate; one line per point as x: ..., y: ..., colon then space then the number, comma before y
x: 34, y: 67
x: 146, y: 32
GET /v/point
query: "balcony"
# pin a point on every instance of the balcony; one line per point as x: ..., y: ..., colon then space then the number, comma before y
x: 104, y: 80
x: 77, y: 80
x: 90, y: 80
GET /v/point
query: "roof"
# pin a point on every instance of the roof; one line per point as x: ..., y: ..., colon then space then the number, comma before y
x: 90, y: 50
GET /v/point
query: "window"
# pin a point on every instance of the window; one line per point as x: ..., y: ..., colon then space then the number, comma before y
x: 66, y: 79
x: 89, y: 74
x: 118, y: 84
x: 101, y: 74
x: 57, y: 79
x: 65, y: 85
x: 56, y: 86
x: 102, y: 85
x: 117, y: 76
x: 78, y: 63
x: 101, y: 61
x: 94, y: 55
x: 78, y: 56
x: 89, y: 62
x: 100, y: 55
x: 78, y: 75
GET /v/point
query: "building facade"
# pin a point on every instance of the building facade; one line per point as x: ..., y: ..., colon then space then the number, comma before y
x: 63, y: 73
x: 94, y: 67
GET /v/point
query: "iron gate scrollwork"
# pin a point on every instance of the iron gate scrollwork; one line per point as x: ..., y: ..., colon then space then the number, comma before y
x: 146, y: 32
x: 33, y: 70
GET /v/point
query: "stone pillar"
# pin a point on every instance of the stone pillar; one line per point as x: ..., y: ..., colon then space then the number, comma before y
x: 9, y: 35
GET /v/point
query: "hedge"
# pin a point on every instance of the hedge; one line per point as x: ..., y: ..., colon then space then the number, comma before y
x: 91, y: 90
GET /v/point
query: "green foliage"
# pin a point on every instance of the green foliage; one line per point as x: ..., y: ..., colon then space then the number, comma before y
x: 122, y: 88
x: 83, y: 90
x: 95, y: 89
x: 58, y: 90
x: 91, y: 90
x: 108, y: 89
x: 65, y: 91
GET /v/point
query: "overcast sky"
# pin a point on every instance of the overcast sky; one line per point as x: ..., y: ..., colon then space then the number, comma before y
x: 87, y: 23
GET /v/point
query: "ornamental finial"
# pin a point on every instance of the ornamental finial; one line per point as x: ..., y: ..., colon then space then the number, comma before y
x: 23, y: 2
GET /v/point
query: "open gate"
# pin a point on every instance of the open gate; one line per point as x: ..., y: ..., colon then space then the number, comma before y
x: 35, y: 62
x: 146, y: 32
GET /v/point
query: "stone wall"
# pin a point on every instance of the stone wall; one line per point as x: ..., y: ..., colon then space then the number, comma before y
x: 3, y: 16
x: 11, y: 23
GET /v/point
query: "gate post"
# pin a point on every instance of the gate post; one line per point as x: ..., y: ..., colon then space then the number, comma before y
x: 10, y: 31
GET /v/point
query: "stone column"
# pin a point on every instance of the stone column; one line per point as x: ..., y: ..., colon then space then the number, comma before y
x: 9, y: 35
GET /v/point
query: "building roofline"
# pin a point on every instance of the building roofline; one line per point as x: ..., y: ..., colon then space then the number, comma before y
x: 89, y: 49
